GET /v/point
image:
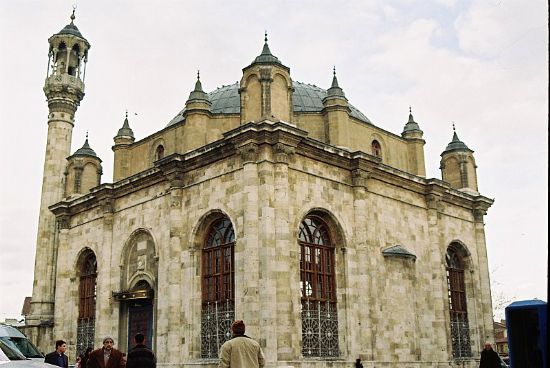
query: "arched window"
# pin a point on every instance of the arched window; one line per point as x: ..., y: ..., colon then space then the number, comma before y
x: 318, y: 289
x: 87, y: 292
x: 376, y: 148
x: 218, y: 287
x: 460, y: 331
x: 159, y: 152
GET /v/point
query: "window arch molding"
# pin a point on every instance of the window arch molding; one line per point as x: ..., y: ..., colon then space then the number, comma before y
x: 153, y: 151
x: 322, y: 305
x: 383, y: 146
x: 130, y: 242
x: 215, y: 239
x: 457, y: 263
x: 86, y: 272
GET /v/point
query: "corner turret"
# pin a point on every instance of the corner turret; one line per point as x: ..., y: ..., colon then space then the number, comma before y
x: 266, y: 89
x: 123, y: 141
x: 83, y: 171
x: 337, y: 110
x: 458, y: 166
x: 415, y: 144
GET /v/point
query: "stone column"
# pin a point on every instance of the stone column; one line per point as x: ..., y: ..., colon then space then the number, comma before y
x: 287, y: 253
x: 485, y: 307
x: 360, y: 342
x: 247, y: 306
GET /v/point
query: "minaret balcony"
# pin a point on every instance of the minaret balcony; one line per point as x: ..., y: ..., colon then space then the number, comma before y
x: 68, y: 80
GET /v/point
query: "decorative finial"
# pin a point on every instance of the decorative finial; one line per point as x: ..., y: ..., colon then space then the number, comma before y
x: 72, y: 15
x: 454, y: 130
x: 86, y: 135
x: 265, y: 36
x: 198, y: 74
x: 334, y: 70
x: 410, y: 109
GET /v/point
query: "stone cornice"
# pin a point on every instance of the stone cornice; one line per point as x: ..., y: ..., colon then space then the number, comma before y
x: 285, y: 140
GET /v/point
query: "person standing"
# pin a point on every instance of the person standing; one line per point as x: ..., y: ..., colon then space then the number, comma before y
x: 141, y: 356
x: 241, y: 351
x: 84, y: 357
x: 489, y: 357
x: 58, y: 356
x: 106, y: 357
x: 358, y: 363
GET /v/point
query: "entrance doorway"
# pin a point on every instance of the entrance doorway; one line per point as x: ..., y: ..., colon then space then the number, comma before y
x: 140, y: 319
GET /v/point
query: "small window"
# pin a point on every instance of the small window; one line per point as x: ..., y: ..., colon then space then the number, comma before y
x: 159, y: 153
x: 376, y: 148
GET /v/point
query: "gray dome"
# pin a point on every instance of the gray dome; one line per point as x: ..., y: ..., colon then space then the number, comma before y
x: 305, y: 98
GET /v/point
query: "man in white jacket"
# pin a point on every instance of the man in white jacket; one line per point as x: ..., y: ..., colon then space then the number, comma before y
x: 241, y: 351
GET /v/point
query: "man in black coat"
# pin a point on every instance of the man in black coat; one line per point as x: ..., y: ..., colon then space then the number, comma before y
x: 140, y: 356
x: 58, y: 356
x: 489, y: 357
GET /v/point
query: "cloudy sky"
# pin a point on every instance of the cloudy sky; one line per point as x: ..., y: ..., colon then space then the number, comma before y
x: 480, y: 64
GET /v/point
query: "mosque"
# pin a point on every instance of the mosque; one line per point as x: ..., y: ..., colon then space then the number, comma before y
x: 269, y: 200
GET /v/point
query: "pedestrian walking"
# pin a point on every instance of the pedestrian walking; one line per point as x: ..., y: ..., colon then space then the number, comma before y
x: 241, y: 351
x: 106, y: 357
x: 141, y: 356
x: 58, y: 356
x: 489, y: 357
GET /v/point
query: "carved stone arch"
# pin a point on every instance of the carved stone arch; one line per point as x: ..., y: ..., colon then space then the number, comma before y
x: 199, y: 230
x: 214, y: 237
x: 154, y: 150
x: 80, y: 258
x: 337, y: 232
x: 139, y: 257
x: 383, y: 146
x: 462, y: 250
x: 252, y: 76
x: 285, y: 77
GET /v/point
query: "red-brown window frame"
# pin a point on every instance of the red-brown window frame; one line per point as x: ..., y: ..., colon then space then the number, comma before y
x: 88, y: 287
x: 317, y: 261
x: 218, y: 259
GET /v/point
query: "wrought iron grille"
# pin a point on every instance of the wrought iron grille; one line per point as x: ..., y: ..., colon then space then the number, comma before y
x: 216, y: 320
x: 85, y: 334
x: 460, y: 336
x: 319, y: 329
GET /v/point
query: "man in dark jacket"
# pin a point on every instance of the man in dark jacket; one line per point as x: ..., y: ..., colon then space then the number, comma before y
x: 58, y: 356
x: 489, y: 357
x: 106, y: 357
x: 140, y: 356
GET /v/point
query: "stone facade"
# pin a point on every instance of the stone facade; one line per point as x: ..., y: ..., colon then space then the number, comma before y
x: 266, y: 168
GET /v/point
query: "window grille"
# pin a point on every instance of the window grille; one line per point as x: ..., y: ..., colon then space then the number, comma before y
x: 87, y: 302
x: 218, y: 287
x: 460, y: 330
x: 318, y: 290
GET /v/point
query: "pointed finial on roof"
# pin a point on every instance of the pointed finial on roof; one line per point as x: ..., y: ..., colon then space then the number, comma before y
x: 198, y: 84
x: 334, y: 79
x: 411, y: 126
x: 456, y: 143
x: 72, y: 15
x: 125, y: 131
x: 86, y: 135
x: 265, y: 36
x: 411, y: 119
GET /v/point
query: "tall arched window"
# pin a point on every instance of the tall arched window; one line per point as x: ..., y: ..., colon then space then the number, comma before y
x: 318, y: 289
x: 376, y: 148
x: 460, y: 331
x: 218, y: 287
x: 87, y: 292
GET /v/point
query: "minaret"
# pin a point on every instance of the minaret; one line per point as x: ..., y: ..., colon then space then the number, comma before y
x: 64, y: 89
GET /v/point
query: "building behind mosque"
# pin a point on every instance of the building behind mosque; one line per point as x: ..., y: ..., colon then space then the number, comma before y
x: 268, y: 200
